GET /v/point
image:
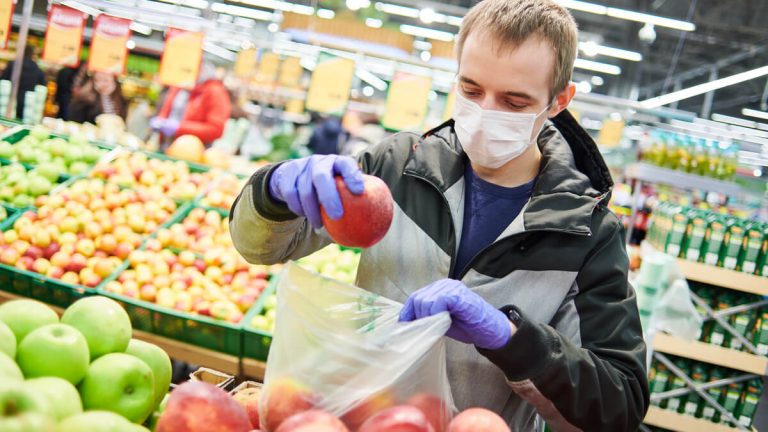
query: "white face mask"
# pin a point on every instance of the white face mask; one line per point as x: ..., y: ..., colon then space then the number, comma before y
x: 492, y: 138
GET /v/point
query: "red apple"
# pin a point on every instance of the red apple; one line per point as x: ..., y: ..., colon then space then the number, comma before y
x: 366, y: 217
x: 437, y: 412
x: 50, y: 250
x: 367, y: 408
x: 77, y: 263
x: 41, y: 238
x: 86, y: 247
x: 123, y: 251
x: 249, y: 398
x: 107, y: 243
x: 71, y: 278
x: 34, y: 252
x: 55, y: 272
x: 41, y: 265
x: 25, y: 263
x: 200, y: 265
x: 285, y: 398
x: 312, y: 421
x: 9, y: 256
x: 475, y: 419
x: 148, y: 292
x: 197, y: 406
x: 401, y: 418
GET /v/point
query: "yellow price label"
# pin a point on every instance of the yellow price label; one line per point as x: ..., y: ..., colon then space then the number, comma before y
x: 181, y: 60
x: 245, y: 65
x: 6, y: 15
x: 407, y: 102
x: 108, y: 47
x: 64, y: 36
x: 331, y: 82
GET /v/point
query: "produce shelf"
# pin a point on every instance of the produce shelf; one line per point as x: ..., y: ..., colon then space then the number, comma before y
x: 256, y: 342
x: 649, y: 173
x: 254, y: 368
x: 711, y: 354
x: 718, y: 276
x: 683, y: 423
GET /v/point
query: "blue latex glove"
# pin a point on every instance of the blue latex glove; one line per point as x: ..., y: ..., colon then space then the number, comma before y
x: 474, y: 320
x: 169, y: 127
x: 307, y: 183
x: 155, y: 123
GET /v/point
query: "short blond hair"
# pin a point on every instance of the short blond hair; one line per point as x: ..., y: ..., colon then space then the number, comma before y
x: 512, y: 22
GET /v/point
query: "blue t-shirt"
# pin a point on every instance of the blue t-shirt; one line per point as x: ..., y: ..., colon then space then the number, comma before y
x: 488, y: 210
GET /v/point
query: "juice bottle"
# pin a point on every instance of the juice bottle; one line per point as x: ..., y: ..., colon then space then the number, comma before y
x: 733, y: 244
x: 732, y: 399
x: 698, y: 374
x: 753, y: 243
x: 743, y: 323
x: 678, y: 403
x: 713, y: 158
x: 676, y: 237
x: 731, y: 162
x: 717, y: 393
x: 700, y: 158
x: 673, y: 155
x: 719, y: 335
x: 762, y: 262
x: 694, y: 237
x: 714, y: 239
x: 661, y: 150
x: 660, y: 381
x: 705, y: 331
x: 749, y: 403
x: 760, y: 338
x: 685, y: 153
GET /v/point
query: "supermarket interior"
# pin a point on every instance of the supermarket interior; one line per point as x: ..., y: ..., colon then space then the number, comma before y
x: 129, y: 128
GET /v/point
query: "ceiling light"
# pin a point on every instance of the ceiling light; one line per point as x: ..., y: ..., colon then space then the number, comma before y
x: 82, y: 7
x: 425, y: 56
x: 591, y: 49
x: 374, y: 22
x: 584, y: 87
x: 422, y: 45
x: 427, y: 15
x: 398, y: 10
x: 627, y: 15
x: 368, y: 91
x: 371, y: 79
x: 326, y: 13
x: 219, y: 51
x: 454, y: 20
x: 597, y: 80
x: 273, y: 27
x: 732, y: 120
x: 757, y: 172
x: 308, y: 64
x: 141, y: 28
x: 242, y: 11
x: 427, y: 33
x: 197, y: 4
x: 130, y: 44
x: 303, y: 9
x: 357, y: 4
x: 754, y: 113
x: 705, y: 88
x: 597, y: 66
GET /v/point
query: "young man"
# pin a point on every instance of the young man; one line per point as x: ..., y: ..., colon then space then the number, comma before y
x: 501, y: 220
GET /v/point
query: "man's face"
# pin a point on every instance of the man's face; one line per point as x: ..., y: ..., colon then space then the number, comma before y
x: 511, y: 80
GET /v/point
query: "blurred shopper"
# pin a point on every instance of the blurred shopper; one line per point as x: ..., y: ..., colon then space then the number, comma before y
x: 202, y: 112
x: 368, y: 133
x: 67, y: 80
x: 327, y: 137
x: 31, y: 76
x: 100, y: 94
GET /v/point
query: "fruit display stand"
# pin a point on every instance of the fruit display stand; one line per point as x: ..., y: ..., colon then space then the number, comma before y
x: 748, y: 362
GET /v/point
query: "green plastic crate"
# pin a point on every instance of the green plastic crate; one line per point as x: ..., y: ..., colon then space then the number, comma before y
x: 36, y: 286
x: 256, y: 342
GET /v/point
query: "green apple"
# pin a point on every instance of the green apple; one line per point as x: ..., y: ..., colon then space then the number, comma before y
x: 104, y: 323
x: 49, y: 170
x: 95, y: 421
x: 54, y: 350
x: 39, y: 185
x: 78, y: 168
x: 6, y: 150
x: 27, y: 422
x: 9, y: 370
x: 158, y: 361
x: 40, y: 132
x: 61, y: 395
x: 120, y: 383
x: 7, y: 339
x: 23, y: 316
x: 23, y: 410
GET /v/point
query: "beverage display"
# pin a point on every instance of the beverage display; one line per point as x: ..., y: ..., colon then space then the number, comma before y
x: 702, y: 157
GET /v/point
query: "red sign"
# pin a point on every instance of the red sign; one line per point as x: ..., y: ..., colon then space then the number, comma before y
x: 108, y: 47
x: 64, y: 36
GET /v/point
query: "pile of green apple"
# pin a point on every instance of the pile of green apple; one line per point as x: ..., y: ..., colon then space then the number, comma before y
x: 82, y: 234
x: 73, y: 156
x: 139, y: 171
x: 334, y: 262
x: 265, y: 321
x: 19, y: 187
x: 78, y: 373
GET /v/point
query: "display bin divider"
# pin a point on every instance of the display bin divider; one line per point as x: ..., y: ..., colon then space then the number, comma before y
x: 256, y: 342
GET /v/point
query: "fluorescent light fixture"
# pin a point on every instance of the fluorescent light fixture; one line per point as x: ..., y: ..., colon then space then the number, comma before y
x: 326, y: 13
x: 426, y: 33
x: 732, y: 120
x: 427, y: 15
x: 704, y: 88
x: 597, y: 80
x: 597, y: 66
x: 393, y: 9
x: 627, y: 15
x: 82, y: 7
x: 357, y: 4
x: 219, y: 51
x: 130, y: 44
x: 374, y: 22
x: 303, y: 9
x: 425, y: 56
x: 371, y: 79
x: 197, y: 4
x: 242, y: 11
x: 584, y: 87
x: 141, y: 28
x: 308, y: 64
x: 592, y: 49
x: 754, y: 113
x: 422, y: 45
x: 454, y: 20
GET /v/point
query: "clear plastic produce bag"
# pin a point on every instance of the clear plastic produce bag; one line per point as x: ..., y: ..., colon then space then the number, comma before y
x: 341, y: 349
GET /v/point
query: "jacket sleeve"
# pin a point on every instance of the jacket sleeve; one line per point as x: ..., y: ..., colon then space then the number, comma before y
x: 599, y: 384
x: 265, y: 231
x: 219, y: 107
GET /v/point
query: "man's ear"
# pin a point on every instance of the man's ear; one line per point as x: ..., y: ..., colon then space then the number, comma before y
x: 563, y: 99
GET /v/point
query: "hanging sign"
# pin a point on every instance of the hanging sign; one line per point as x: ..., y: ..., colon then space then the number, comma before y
x: 331, y: 82
x: 611, y: 133
x: 109, y: 52
x: 268, y: 65
x: 182, y: 57
x: 64, y: 36
x: 245, y: 65
x: 6, y: 15
x: 407, y: 102
x: 290, y: 72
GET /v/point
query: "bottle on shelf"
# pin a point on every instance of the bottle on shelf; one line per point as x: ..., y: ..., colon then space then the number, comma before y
x: 753, y: 242
x: 700, y: 158
x: 733, y: 243
x: 714, y: 239
x: 709, y: 412
x: 695, y: 234
x: 676, y: 237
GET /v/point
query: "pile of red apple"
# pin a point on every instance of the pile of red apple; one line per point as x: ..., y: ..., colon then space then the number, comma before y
x: 226, y: 190
x: 78, y: 373
x: 219, y: 284
x: 292, y: 407
x: 82, y: 234
x: 139, y: 171
x: 204, y: 232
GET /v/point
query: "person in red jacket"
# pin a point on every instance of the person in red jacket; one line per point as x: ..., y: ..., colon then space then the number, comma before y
x: 201, y: 112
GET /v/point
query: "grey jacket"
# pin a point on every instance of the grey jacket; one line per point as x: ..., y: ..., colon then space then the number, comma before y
x: 578, y: 358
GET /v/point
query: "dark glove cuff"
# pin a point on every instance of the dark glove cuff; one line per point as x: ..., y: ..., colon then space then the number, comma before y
x: 265, y: 204
x: 528, y: 352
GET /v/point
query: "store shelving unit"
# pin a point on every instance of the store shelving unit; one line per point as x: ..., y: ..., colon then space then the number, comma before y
x: 749, y: 362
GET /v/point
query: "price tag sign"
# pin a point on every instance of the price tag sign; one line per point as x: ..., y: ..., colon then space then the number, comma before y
x: 245, y: 65
x: 6, y: 15
x: 407, y: 102
x: 331, y: 82
x: 181, y: 60
x: 268, y: 65
x: 290, y: 72
x: 611, y: 133
x: 64, y: 36
x: 108, y: 46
